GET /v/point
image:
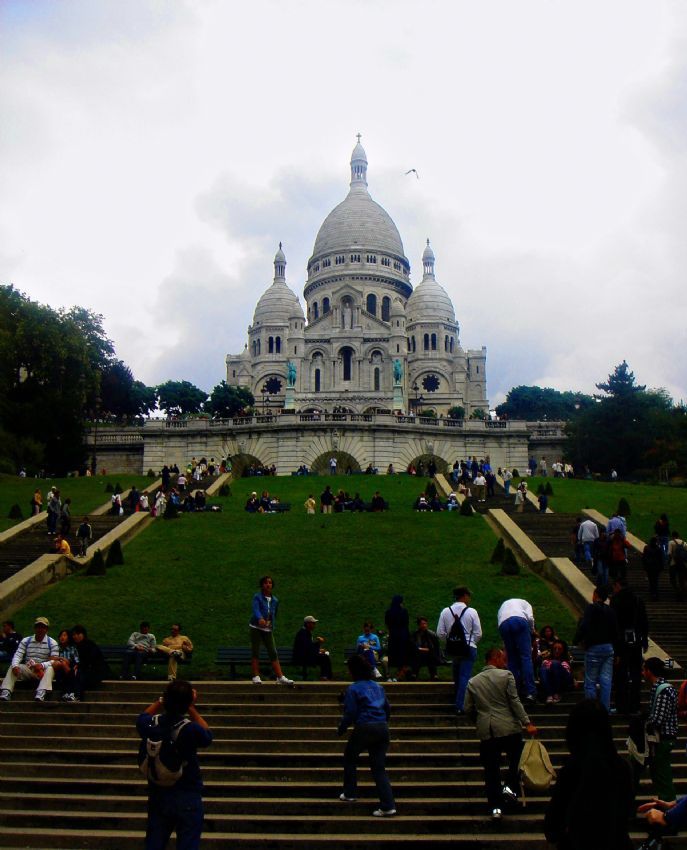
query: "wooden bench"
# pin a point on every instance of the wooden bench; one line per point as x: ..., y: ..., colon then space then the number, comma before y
x: 235, y: 656
x: 114, y: 655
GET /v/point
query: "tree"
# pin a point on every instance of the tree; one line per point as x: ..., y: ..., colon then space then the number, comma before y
x: 121, y: 396
x: 180, y: 397
x: 621, y: 383
x: 456, y: 412
x: 537, y: 403
x: 478, y: 413
x: 226, y: 401
x: 625, y: 429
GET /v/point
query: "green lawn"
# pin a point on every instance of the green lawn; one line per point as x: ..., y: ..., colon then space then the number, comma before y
x: 85, y: 493
x: 203, y: 569
x: 647, y: 501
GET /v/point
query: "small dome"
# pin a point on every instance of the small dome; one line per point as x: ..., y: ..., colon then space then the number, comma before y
x: 358, y: 154
x: 280, y: 256
x: 429, y: 301
x: 397, y: 308
x: 277, y: 305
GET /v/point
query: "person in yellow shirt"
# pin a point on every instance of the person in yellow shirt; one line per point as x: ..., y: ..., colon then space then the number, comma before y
x: 175, y: 646
x: 62, y: 547
x: 310, y: 504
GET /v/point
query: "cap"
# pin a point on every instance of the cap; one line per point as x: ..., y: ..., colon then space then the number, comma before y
x: 41, y: 621
x: 310, y: 619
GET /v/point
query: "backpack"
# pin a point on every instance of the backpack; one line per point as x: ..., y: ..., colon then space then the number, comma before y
x: 680, y: 556
x: 457, y: 645
x: 159, y: 758
x: 535, y: 769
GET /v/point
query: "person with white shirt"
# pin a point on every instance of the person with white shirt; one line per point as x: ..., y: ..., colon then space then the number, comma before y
x: 33, y: 659
x: 515, y: 621
x: 462, y: 667
x: 587, y: 534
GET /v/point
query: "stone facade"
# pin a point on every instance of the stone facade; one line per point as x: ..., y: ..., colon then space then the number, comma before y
x: 370, y: 342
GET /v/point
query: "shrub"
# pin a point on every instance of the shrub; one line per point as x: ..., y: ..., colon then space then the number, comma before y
x: 541, y: 489
x: 15, y: 512
x: 465, y: 508
x: 623, y: 508
x: 456, y: 412
x: 115, y: 556
x: 499, y: 552
x: 478, y: 413
x: 118, y: 488
x: 510, y: 566
x: 548, y: 489
x: 150, y: 473
x: 428, y: 414
x: 109, y: 488
x: 225, y: 490
x: 97, y: 565
x: 515, y: 473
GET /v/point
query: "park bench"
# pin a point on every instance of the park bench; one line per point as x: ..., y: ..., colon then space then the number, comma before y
x: 235, y: 656
x: 114, y: 655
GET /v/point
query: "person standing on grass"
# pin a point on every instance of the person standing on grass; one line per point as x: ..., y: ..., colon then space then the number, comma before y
x: 366, y: 708
x: 179, y: 807
x: 263, y: 616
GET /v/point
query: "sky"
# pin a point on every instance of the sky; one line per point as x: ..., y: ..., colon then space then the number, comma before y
x: 153, y: 153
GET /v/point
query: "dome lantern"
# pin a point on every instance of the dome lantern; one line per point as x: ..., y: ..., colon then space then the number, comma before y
x: 358, y: 166
x: 428, y: 261
x: 280, y: 265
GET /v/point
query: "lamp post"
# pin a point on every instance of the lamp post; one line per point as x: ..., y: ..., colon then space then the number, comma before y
x: 264, y: 396
x: 415, y: 390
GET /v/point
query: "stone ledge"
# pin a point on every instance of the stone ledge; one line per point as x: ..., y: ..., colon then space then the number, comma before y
x: 634, y: 541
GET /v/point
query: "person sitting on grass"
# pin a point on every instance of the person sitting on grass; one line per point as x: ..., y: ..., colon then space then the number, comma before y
x: 175, y: 646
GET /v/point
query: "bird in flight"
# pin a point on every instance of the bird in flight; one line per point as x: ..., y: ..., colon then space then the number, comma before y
x: 413, y: 171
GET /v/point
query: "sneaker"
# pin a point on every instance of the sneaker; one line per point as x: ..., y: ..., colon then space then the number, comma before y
x: 556, y: 697
x: 384, y: 813
x: 652, y: 844
x: 40, y: 695
x: 132, y: 678
x: 496, y: 814
x: 509, y: 794
x: 5, y: 695
x: 550, y: 700
x: 378, y: 675
x: 177, y: 653
x: 282, y: 680
x: 346, y: 799
x: 68, y: 698
x: 256, y: 680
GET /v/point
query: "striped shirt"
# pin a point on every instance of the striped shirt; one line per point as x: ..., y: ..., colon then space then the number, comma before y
x: 37, y: 650
x: 663, y: 711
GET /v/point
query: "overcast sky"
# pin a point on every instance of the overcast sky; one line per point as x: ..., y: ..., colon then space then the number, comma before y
x: 153, y: 153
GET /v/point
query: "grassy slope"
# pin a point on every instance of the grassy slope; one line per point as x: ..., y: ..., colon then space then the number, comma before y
x: 85, y: 493
x: 647, y: 502
x: 203, y: 569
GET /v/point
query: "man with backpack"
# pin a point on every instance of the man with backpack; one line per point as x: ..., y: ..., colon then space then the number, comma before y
x: 168, y: 758
x: 460, y: 628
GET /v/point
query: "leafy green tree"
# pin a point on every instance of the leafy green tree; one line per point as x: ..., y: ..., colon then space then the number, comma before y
x: 537, y: 403
x: 121, y: 396
x: 625, y: 429
x: 226, y: 401
x: 478, y: 413
x: 180, y: 397
x: 456, y: 412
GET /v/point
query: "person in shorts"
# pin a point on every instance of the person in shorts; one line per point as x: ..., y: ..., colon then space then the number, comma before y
x: 263, y: 616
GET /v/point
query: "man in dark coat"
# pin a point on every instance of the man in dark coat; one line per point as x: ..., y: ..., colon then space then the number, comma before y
x: 308, y: 650
x: 633, y: 641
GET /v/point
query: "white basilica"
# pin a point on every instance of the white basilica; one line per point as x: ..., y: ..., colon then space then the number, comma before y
x: 371, y: 342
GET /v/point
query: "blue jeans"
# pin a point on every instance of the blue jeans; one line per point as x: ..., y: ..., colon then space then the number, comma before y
x: 171, y: 809
x: 517, y: 638
x: 598, y: 670
x: 555, y: 679
x: 462, y: 670
x: 373, y: 737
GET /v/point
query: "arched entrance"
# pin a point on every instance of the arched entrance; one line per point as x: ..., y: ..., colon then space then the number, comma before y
x: 344, y: 463
x: 422, y: 464
x: 243, y: 465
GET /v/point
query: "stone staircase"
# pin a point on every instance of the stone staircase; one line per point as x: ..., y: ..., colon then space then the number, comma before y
x: 272, y: 775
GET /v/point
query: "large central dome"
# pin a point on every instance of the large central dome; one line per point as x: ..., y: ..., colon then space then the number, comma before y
x: 358, y: 221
